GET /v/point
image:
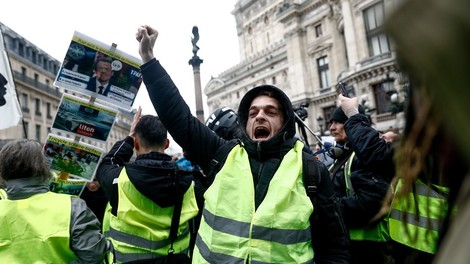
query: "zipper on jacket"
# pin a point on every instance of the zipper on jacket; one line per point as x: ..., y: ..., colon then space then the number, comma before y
x: 340, y: 219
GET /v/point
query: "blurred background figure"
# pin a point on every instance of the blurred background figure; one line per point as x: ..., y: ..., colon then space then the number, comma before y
x: 224, y: 122
x: 95, y: 198
x: 322, y: 154
x: 433, y: 40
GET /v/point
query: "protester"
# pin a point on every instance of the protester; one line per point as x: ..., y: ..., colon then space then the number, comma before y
x: 361, y: 173
x: 432, y: 39
x: 257, y: 208
x: 224, y: 122
x: 95, y: 198
x: 322, y: 152
x: 144, y: 195
x: 39, y: 226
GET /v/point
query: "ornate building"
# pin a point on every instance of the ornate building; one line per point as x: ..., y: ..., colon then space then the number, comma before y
x: 34, y: 72
x: 306, y: 47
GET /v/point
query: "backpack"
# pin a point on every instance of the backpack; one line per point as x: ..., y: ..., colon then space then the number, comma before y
x: 311, y: 170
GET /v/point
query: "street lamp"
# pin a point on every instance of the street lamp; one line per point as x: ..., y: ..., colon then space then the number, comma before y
x: 321, y: 123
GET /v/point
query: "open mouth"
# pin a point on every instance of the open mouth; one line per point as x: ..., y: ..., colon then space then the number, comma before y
x: 261, y: 133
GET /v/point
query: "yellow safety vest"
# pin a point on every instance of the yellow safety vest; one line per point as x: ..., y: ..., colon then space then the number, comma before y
x: 36, y: 229
x: 278, y: 231
x: 141, y: 228
x: 3, y: 194
x: 418, y: 228
x: 376, y: 232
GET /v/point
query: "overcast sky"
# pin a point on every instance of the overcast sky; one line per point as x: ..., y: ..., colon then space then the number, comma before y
x: 50, y: 25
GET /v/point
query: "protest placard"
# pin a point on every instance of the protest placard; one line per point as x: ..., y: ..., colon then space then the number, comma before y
x: 101, y: 71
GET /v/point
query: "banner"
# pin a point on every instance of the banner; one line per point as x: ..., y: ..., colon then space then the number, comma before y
x: 10, y: 110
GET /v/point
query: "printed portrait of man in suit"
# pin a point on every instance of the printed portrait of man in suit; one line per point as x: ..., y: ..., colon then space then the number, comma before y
x: 102, y: 75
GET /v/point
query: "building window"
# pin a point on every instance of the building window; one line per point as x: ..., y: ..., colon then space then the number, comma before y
x: 21, y: 49
x: 376, y: 38
x: 382, y: 93
x: 38, y: 107
x: 25, y: 129
x: 48, y: 110
x: 38, y: 133
x: 24, y: 102
x: 318, y: 31
x: 23, y: 71
x: 36, y: 77
x: 48, y: 83
x: 323, y: 72
x: 34, y: 57
x: 273, y: 80
x: 327, y: 113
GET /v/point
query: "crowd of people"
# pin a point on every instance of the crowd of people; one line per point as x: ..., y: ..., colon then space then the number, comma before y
x: 248, y: 191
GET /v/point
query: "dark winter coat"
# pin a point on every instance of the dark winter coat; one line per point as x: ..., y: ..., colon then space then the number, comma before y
x: 371, y: 172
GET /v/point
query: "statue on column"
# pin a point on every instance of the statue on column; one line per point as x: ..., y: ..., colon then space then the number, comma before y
x: 195, y: 39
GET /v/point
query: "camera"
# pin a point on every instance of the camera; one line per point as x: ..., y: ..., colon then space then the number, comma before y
x: 301, y: 110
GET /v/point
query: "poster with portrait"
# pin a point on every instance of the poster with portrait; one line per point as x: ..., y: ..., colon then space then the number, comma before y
x: 101, y: 71
x: 81, y: 118
x: 72, y: 163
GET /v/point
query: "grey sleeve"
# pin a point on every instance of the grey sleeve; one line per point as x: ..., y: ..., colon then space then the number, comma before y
x: 86, y: 239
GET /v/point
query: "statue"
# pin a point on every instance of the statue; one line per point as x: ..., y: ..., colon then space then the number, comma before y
x: 195, y: 39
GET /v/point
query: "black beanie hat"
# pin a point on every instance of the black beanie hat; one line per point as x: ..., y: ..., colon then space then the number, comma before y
x: 339, y: 116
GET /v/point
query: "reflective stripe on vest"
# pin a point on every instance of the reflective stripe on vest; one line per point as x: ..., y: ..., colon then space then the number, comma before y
x: 3, y: 194
x: 418, y: 229
x: 141, y: 228
x: 232, y: 231
x: 36, y: 229
x: 347, y: 175
x: 377, y: 232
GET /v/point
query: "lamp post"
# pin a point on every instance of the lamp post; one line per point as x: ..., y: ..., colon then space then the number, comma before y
x: 321, y: 123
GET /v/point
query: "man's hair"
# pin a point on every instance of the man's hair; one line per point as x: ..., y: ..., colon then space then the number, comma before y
x: 150, y: 131
x: 272, y: 95
x: 103, y: 59
x: 22, y: 159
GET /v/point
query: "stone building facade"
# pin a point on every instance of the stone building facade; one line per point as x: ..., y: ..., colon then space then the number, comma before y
x: 34, y: 72
x: 306, y: 47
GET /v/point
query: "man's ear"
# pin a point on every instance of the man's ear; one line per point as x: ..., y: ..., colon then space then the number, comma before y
x: 167, y: 144
x: 136, y: 144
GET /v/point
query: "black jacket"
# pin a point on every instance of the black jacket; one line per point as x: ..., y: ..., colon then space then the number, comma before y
x: 330, y: 239
x: 145, y: 173
x: 371, y: 172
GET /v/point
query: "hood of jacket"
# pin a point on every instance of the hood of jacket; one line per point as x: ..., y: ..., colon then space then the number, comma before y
x: 275, y: 146
x: 157, y: 177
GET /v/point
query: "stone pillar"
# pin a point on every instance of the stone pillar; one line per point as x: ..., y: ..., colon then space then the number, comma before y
x: 195, y: 61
